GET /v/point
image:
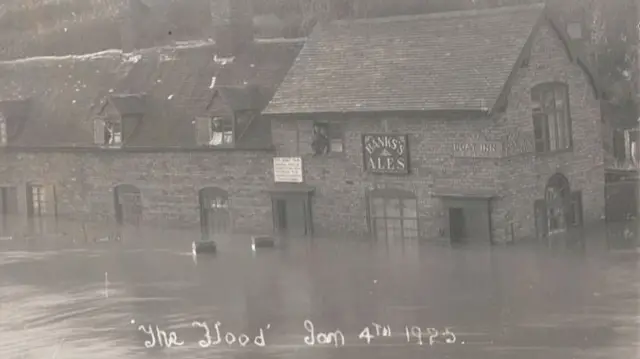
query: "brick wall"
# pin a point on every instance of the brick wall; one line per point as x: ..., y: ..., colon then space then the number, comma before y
x: 525, y: 175
x: 169, y: 183
x: 339, y: 204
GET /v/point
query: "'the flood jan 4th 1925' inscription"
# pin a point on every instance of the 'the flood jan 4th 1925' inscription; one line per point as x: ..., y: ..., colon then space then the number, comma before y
x: 385, y: 153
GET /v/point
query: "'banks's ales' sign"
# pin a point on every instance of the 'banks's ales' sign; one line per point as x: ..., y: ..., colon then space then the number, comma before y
x: 385, y: 153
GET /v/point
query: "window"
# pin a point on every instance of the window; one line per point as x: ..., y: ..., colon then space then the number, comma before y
x: 107, y: 132
x: 40, y: 200
x: 214, y: 131
x: 551, y: 118
x: 632, y: 146
x: 327, y: 138
x: 3, y: 132
x: 394, y: 214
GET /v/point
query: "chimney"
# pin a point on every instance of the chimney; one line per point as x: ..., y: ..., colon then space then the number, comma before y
x: 236, y: 31
x: 131, y: 35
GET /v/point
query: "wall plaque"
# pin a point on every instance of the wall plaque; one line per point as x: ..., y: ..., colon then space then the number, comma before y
x: 287, y: 169
x: 478, y: 149
x: 385, y: 153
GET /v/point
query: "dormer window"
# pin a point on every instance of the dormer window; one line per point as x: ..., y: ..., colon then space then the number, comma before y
x: 214, y: 131
x: 112, y: 133
x: 117, y: 118
x: 107, y: 132
x: 221, y: 132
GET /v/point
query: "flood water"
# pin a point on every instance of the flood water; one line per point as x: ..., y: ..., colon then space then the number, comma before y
x: 65, y: 298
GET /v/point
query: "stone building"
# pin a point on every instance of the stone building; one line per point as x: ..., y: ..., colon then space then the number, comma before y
x: 481, y: 125
x: 167, y: 135
x: 477, y: 124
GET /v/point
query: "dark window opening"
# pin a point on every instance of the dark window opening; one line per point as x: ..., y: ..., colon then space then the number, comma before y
x: 327, y: 138
x: 551, y: 117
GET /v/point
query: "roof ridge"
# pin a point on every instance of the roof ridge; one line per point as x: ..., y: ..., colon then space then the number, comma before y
x: 280, y: 40
x: 192, y: 44
x: 445, y: 14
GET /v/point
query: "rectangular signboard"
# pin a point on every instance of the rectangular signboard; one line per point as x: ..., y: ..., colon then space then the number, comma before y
x: 385, y: 153
x: 287, y: 169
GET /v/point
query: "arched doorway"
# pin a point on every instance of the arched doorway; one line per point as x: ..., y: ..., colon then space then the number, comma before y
x: 560, y: 209
x: 557, y: 195
x: 215, y: 218
x: 128, y: 204
x: 393, y: 214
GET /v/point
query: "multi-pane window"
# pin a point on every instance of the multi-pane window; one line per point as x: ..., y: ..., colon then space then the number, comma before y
x: 214, y: 131
x: 38, y: 200
x: 327, y: 137
x: 221, y: 132
x: 394, y: 214
x: 551, y: 117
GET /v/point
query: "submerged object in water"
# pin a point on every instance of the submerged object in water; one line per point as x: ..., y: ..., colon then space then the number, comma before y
x: 204, y: 247
x: 263, y: 242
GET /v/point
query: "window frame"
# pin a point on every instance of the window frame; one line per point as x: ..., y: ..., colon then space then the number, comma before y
x: 335, y: 135
x: 101, y: 128
x: 629, y: 153
x: 552, y: 126
x: 387, y: 195
x: 227, y: 130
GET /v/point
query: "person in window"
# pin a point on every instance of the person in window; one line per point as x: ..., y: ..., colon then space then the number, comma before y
x: 320, y: 143
x: 217, y: 132
x: 108, y: 133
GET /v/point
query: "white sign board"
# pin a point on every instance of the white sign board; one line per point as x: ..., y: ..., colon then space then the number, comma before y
x: 287, y: 169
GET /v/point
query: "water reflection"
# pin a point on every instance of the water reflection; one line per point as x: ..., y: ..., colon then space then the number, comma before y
x: 523, y: 301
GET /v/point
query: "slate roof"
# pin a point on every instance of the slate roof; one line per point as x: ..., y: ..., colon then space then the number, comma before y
x: 66, y: 92
x: 241, y: 98
x: 128, y: 104
x: 446, y: 61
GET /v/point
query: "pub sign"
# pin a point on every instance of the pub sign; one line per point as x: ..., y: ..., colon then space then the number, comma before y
x: 385, y: 153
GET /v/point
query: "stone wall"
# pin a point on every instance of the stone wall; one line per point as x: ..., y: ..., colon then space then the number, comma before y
x: 169, y: 183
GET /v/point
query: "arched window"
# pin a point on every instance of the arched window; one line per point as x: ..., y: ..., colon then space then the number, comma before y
x: 214, y: 211
x: 557, y: 197
x: 128, y: 204
x: 551, y: 117
x: 393, y: 214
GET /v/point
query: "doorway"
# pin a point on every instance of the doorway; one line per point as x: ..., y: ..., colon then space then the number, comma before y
x: 457, y: 226
x: 8, y: 207
x: 128, y: 205
x: 393, y: 215
x: 291, y: 209
x: 468, y: 219
x: 290, y: 216
x: 215, y: 219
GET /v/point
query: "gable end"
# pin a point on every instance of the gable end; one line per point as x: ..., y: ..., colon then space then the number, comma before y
x: 576, y: 56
